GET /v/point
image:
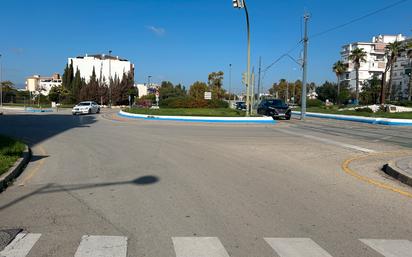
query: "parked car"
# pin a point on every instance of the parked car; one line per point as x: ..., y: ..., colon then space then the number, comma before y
x: 275, y: 108
x: 86, y: 107
x: 241, y: 106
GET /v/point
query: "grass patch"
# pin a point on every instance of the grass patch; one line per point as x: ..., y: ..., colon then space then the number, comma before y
x: 10, y: 151
x: 204, y: 112
x: 379, y: 114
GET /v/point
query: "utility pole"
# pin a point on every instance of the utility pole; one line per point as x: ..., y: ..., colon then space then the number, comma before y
x: 252, y: 88
x: 259, y: 79
x: 230, y: 80
x: 110, y: 79
x: 304, y: 68
x: 1, y: 83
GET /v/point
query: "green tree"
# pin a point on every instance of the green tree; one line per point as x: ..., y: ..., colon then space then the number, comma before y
x: 370, y: 91
x: 339, y: 68
x: 327, y: 91
x: 392, y: 53
x: 197, y: 90
x: 68, y: 77
x: 215, y: 82
x: 357, y: 56
x: 77, y: 85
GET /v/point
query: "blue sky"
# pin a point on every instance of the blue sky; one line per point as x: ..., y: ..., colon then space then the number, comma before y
x: 181, y: 40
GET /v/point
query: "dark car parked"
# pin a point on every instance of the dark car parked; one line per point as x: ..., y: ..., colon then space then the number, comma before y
x: 275, y: 108
x: 241, y: 106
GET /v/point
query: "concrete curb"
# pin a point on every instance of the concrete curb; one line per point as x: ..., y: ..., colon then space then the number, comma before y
x: 369, y: 120
x: 16, y: 170
x: 392, y: 170
x: 199, y: 118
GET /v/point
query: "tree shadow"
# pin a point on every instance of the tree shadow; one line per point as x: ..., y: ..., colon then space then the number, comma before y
x: 56, y: 188
x: 35, y: 128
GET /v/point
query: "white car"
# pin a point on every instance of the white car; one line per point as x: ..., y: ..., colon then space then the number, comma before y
x: 86, y: 107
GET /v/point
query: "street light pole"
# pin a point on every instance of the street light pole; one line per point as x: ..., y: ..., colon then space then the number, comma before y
x: 110, y: 79
x: 1, y: 82
x: 304, y: 66
x: 148, y: 80
x: 230, y: 80
x: 242, y: 4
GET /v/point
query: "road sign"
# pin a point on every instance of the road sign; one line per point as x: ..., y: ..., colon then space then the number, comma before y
x: 208, y: 95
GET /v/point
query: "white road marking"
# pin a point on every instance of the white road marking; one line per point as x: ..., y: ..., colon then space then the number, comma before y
x: 20, y: 246
x: 102, y: 246
x: 329, y: 141
x: 296, y: 247
x: 199, y: 247
x: 390, y: 248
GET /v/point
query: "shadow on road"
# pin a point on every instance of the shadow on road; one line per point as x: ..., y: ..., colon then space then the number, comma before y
x: 35, y: 128
x: 55, y: 188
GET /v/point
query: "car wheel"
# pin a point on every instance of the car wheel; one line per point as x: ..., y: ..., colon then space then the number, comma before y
x: 287, y: 117
x: 90, y: 111
x: 98, y: 110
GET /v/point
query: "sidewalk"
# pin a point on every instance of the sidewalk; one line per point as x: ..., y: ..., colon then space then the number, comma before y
x: 401, y: 169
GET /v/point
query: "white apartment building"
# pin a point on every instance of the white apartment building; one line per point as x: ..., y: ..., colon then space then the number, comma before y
x: 105, y: 66
x: 401, y: 74
x: 375, y: 60
x: 142, y: 89
x: 37, y: 83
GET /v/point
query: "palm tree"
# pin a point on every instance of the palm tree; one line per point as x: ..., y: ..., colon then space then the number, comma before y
x: 392, y: 52
x: 339, y: 68
x: 409, y: 54
x: 357, y: 56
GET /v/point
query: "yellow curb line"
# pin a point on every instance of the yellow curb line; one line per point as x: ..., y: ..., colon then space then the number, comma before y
x: 345, y: 167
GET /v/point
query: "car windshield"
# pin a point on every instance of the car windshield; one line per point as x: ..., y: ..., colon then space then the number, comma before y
x: 276, y: 103
x: 84, y: 104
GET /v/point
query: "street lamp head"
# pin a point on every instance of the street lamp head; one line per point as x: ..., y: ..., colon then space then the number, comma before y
x: 238, y: 4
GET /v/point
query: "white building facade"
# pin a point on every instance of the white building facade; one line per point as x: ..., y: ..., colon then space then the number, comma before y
x: 401, y: 73
x: 105, y: 67
x: 39, y: 84
x: 375, y: 59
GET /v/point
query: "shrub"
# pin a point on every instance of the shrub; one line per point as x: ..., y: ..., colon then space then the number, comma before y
x: 314, y: 103
x: 364, y: 109
x: 190, y: 102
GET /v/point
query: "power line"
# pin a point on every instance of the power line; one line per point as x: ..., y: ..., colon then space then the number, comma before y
x: 282, y: 56
x: 359, y: 18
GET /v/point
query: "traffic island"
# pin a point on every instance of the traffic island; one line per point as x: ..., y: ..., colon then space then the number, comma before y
x: 14, y: 156
x: 206, y: 119
x: 400, y: 169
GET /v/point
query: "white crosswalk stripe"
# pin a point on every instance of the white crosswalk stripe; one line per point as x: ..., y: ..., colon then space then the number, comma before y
x: 116, y: 246
x: 102, y: 246
x: 296, y: 247
x: 20, y: 246
x: 390, y: 248
x: 199, y: 247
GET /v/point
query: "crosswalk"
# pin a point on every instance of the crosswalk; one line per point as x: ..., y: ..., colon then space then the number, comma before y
x: 116, y: 246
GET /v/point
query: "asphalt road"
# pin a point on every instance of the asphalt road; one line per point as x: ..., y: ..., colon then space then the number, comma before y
x: 215, y: 190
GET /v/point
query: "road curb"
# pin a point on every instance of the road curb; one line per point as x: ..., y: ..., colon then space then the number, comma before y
x: 392, y: 170
x: 16, y: 169
x: 362, y: 119
x: 261, y: 120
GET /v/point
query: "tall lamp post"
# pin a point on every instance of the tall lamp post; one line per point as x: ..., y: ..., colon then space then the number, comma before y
x: 230, y: 80
x: 1, y: 84
x: 148, y: 80
x: 241, y: 4
x: 110, y: 79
